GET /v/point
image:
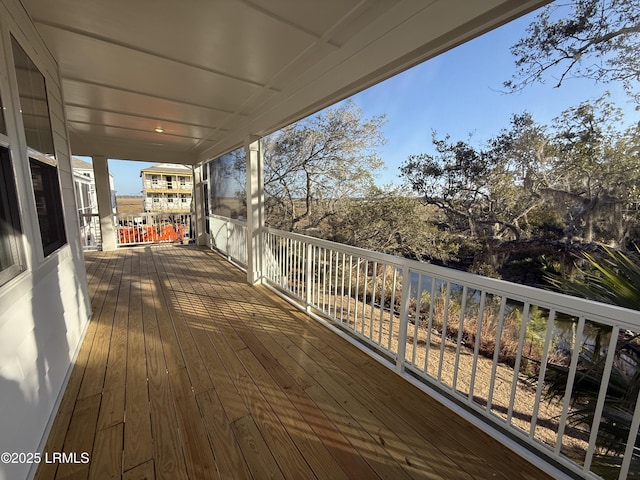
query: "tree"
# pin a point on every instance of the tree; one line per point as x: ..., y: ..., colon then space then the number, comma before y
x: 600, y: 169
x: 491, y: 189
x: 597, y: 39
x: 535, y: 190
x: 313, y: 166
x: 454, y: 180
x: 389, y: 221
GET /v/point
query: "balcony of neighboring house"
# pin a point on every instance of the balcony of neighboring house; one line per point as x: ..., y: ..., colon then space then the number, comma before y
x: 167, y: 186
x: 174, y: 203
x: 187, y: 371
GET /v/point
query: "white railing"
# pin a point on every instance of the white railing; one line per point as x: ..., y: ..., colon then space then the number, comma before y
x: 493, y: 346
x: 139, y: 228
x: 229, y: 237
x: 178, y: 205
x: 90, y: 233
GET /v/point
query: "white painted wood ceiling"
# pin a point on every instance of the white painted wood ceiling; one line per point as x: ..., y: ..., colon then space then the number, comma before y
x: 212, y: 72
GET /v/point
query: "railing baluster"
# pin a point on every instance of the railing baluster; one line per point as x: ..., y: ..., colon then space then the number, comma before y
x: 287, y: 259
x: 357, y: 303
x: 404, y: 318
x: 382, y: 303
x: 342, y: 289
x: 476, y: 347
x: 364, y: 295
x: 282, y: 259
x: 496, y: 352
x: 349, y: 297
x: 300, y: 265
x: 335, y: 288
x: 227, y: 247
x: 324, y: 280
x: 602, y: 397
x: 330, y: 285
x: 542, y: 372
x: 430, y: 325
x: 374, y: 282
x: 573, y: 367
x: 443, y: 336
x: 308, y: 273
x: 416, y: 319
x: 392, y: 308
x: 516, y: 368
x: 463, y: 310
x: 631, y: 441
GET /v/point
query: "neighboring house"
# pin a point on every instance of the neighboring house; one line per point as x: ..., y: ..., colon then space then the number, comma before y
x: 167, y: 188
x: 87, y: 200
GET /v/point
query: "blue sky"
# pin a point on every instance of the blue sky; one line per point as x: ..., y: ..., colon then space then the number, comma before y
x: 457, y: 93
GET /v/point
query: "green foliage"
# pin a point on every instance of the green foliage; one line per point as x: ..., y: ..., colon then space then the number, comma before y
x: 614, y: 279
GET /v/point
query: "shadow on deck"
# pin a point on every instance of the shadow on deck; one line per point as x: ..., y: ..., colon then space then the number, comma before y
x: 186, y: 371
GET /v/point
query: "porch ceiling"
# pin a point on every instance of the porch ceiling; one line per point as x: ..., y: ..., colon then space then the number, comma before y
x: 212, y: 72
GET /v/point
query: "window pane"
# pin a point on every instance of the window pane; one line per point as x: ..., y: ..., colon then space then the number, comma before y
x: 9, y: 220
x: 33, y: 102
x: 46, y: 190
x: 227, y: 180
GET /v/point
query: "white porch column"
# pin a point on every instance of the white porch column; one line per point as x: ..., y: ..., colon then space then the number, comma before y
x: 198, y: 207
x: 105, y: 208
x: 255, y: 208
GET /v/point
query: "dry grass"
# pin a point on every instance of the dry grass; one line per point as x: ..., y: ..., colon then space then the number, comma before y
x: 129, y: 205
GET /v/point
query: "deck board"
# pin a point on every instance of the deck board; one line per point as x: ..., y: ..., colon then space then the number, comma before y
x: 138, y: 441
x: 188, y: 372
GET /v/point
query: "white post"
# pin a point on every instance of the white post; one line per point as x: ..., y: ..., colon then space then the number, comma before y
x: 404, y: 318
x: 255, y: 209
x: 197, y: 206
x: 105, y: 207
x: 309, y: 276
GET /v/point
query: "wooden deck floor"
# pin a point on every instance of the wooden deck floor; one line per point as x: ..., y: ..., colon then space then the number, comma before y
x: 188, y: 372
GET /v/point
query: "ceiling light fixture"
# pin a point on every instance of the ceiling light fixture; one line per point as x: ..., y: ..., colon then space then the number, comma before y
x: 159, y: 129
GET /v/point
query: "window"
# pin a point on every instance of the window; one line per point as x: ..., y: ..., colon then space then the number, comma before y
x: 10, y: 231
x: 205, y: 196
x: 34, y: 107
x: 46, y: 190
x: 33, y: 102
